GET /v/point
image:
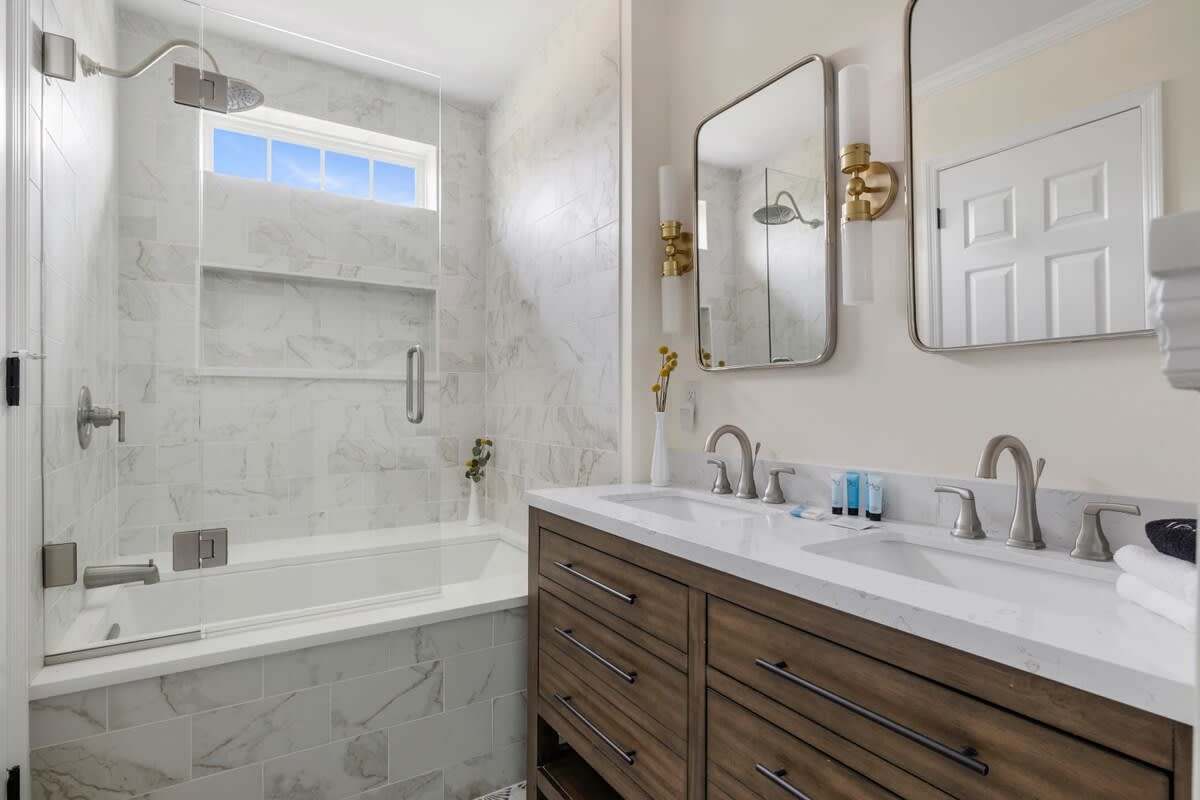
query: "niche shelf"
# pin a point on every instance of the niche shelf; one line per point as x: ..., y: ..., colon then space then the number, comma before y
x: 264, y: 323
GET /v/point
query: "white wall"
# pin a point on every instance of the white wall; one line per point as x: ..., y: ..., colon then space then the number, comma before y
x: 1100, y: 413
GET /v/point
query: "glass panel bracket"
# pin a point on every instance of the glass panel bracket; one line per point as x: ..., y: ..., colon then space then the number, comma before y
x: 196, y: 549
x: 60, y: 567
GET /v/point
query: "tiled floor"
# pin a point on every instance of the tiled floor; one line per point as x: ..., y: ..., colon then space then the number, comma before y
x: 511, y: 793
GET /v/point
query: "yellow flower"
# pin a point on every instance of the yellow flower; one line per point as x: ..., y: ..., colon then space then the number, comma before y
x: 721, y: 363
x: 656, y: 388
x: 472, y: 463
x: 663, y: 350
x: 664, y: 372
x: 673, y: 356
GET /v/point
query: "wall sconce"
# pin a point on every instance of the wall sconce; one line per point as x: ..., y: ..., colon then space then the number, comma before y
x: 872, y: 186
x: 678, y: 252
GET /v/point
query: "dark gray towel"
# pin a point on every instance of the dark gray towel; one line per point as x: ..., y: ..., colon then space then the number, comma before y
x: 1173, y: 537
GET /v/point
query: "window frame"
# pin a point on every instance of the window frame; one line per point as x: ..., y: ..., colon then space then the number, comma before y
x: 273, y: 124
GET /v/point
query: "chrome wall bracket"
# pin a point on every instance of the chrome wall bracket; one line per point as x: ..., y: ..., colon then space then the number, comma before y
x: 196, y: 549
x: 58, y: 56
x: 60, y: 566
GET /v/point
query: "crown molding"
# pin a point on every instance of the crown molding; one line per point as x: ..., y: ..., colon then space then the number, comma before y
x: 1065, y: 27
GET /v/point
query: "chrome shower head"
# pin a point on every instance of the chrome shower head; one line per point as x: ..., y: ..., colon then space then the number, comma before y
x: 239, y: 95
x: 243, y: 96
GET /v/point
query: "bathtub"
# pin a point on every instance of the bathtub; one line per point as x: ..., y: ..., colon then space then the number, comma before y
x: 280, y: 596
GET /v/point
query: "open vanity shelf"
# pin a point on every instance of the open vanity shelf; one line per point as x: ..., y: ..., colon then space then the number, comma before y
x: 655, y: 678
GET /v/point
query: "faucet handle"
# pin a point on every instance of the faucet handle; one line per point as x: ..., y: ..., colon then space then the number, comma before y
x: 967, y: 524
x: 721, y: 483
x: 1037, y: 476
x: 1091, y: 543
x: 774, y: 493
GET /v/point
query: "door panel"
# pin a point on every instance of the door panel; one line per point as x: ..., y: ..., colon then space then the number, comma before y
x: 1038, y: 240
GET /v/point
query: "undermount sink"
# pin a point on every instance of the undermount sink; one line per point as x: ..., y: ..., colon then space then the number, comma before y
x: 990, y: 570
x: 684, y: 507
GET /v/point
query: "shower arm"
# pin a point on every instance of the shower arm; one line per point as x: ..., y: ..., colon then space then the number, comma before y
x: 795, y: 206
x: 91, y: 67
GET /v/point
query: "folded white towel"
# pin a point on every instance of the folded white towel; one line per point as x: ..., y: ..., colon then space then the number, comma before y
x: 1136, y: 590
x: 1171, y: 575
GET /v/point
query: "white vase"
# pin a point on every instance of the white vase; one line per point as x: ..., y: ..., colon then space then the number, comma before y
x: 473, y: 516
x: 660, y: 463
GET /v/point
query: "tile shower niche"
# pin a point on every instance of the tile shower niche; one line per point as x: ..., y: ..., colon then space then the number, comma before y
x: 307, y: 284
x: 271, y: 325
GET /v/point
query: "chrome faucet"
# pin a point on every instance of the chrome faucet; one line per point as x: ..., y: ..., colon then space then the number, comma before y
x: 112, y: 575
x: 1026, y: 531
x: 746, y: 488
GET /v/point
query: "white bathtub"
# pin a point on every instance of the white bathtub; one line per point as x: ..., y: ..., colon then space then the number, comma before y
x: 278, y: 596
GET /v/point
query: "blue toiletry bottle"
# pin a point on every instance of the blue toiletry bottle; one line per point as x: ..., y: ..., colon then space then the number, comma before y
x: 852, y: 485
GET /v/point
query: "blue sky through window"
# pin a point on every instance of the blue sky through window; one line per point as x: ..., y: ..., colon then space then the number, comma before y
x: 295, y: 165
x: 395, y: 184
x: 347, y: 174
x: 245, y: 155
x: 239, y: 154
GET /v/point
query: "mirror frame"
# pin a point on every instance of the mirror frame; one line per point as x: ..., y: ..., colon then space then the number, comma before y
x: 910, y: 221
x: 832, y: 214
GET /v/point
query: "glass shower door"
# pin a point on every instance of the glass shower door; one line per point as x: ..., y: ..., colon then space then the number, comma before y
x: 119, y: 184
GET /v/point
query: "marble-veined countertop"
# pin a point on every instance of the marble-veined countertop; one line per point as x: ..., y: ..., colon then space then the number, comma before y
x: 1079, y: 634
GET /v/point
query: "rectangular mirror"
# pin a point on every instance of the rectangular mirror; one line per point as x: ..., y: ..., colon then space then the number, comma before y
x: 765, y: 269
x: 1036, y: 132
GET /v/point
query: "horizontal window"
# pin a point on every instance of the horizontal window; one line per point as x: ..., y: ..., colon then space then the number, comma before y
x: 308, y: 153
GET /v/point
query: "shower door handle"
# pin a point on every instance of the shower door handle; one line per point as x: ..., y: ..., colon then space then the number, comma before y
x: 415, y: 386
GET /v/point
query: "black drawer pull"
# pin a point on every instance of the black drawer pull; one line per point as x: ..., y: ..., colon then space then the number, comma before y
x: 628, y: 598
x: 776, y: 777
x: 628, y: 677
x: 627, y: 755
x: 958, y: 757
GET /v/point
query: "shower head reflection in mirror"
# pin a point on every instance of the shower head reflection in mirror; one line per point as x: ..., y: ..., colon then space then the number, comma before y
x: 778, y: 214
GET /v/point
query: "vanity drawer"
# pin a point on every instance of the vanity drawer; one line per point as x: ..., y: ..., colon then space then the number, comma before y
x: 967, y: 747
x: 655, y: 604
x: 602, y: 725
x: 750, y: 758
x: 652, y: 687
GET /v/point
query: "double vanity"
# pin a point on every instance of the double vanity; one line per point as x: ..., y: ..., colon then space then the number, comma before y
x: 689, y: 645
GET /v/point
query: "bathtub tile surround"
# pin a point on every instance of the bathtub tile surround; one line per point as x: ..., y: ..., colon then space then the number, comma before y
x: 269, y: 457
x: 910, y: 498
x: 552, y: 277
x: 430, y: 713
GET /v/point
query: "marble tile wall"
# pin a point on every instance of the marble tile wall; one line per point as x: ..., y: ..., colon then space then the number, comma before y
x: 73, y: 283
x: 910, y: 498
x: 435, y: 712
x: 552, y: 269
x: 273, y: 457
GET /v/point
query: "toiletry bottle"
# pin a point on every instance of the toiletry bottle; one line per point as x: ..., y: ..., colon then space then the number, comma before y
x: 852, y: 485
x: 839, y: 481
x: 875, y: 497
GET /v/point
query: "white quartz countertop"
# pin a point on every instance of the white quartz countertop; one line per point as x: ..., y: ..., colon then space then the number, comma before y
x: 1078, y: 633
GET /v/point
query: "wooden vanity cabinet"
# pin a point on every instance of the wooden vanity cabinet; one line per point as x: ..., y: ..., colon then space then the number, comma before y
x: 652, y: 677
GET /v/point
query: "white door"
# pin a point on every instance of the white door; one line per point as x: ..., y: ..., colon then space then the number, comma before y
x: 1045, y: 240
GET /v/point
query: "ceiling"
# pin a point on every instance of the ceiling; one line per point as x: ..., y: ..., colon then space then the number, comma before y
x: 476, y: 46
x: 768, y: 122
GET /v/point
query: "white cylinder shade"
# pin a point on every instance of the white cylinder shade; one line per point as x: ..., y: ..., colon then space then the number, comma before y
x: 674, y: 311
x: 854, y: 105
x: 858, y: 253
x: 668, y: 194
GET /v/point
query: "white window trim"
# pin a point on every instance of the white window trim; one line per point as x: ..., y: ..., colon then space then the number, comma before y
x: 272, y: 123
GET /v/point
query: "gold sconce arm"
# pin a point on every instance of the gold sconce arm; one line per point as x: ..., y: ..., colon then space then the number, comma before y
x: 872, y: 187
x: 678, y: 249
